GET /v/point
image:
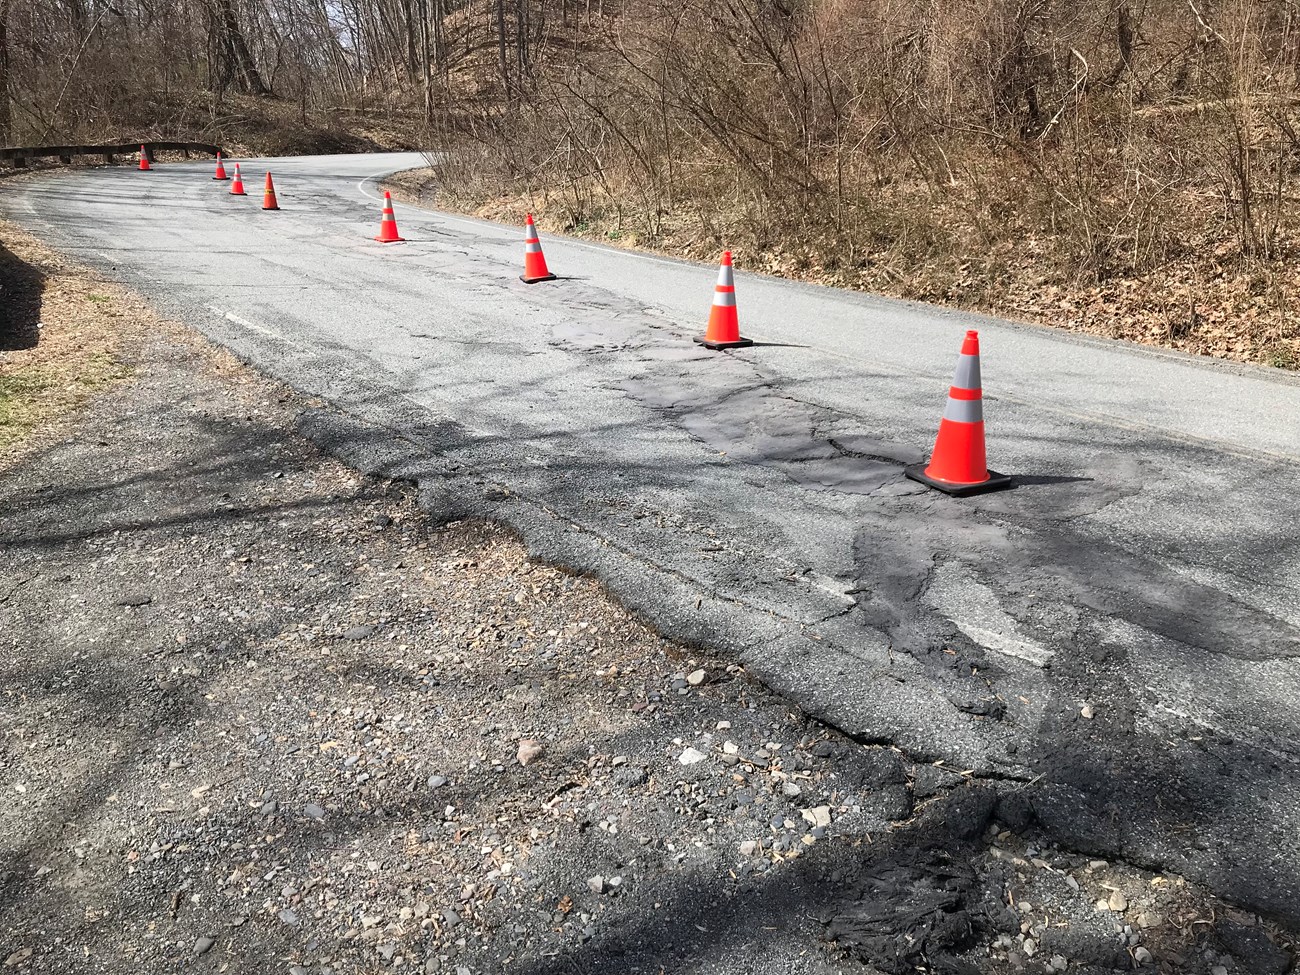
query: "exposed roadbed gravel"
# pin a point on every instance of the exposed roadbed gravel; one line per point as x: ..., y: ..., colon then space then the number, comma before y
x: 264, y: 714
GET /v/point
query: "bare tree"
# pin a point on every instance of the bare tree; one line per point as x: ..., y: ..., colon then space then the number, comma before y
x: 5, y: 112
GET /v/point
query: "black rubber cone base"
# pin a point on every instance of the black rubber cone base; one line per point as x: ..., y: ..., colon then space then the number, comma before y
x: 996, y: 482
x: 740, y: 343
x: 549, y: 277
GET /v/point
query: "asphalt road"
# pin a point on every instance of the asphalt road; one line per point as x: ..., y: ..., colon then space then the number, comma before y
x: 1145, y: 566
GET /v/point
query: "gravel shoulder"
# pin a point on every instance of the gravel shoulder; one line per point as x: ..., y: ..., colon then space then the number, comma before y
x: 265, y: 714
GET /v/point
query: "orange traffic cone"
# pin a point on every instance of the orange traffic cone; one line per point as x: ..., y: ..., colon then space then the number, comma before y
x: 724, y: 325
x: 268, y: 196
x: 388, y: 223
x: 221, y: 169
x: 237, y: 187
x: 957, y: 465
x: 144, y: 161
x: 534, y: 263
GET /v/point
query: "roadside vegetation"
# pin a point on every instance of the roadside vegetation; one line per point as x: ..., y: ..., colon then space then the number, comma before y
x: 1120, y: 167
x: 62, y: 336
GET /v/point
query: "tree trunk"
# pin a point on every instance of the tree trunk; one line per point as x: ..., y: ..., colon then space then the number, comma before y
x: 521, y: 40
x: 501, y: 47
x: 413, y: 32
x: 251, y: 81
x: 6, y: 120
x: 426, y: 68
x: 439, y: 37
x: 1124, y: 36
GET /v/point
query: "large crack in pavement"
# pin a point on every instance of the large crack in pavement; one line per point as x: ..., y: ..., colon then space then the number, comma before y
x: 975, y: 641
x: 1105, y: 785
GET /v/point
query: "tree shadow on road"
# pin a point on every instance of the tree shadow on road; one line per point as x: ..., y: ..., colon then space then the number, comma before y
x: 899, y: 899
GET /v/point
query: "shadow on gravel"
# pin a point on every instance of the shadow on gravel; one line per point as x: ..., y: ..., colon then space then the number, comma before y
x: 134, y: 707
x: 1176, y: 810
x: 20, y: 302
x: 1136, y: 629
x: 911, y: 900
x: 95, y: 692
x: 906, y: 900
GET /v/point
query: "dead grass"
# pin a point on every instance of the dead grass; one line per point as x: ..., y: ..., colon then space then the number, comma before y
x: 64, y: 335
x: 266, y: 127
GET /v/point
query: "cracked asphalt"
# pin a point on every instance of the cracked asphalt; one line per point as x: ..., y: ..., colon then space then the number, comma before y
x: 1115, y: 639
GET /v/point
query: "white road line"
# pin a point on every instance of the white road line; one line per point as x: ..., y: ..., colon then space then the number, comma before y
x: 254, y: 326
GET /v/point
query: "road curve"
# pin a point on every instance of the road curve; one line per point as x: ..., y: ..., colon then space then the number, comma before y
x: 754, y: 502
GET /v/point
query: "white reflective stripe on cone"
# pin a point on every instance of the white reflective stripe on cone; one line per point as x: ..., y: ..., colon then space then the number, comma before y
x: 968, y: 372
x: 964, y: 410
x: 725, y: 277
x: 724, y: 299
x: 532, y: 247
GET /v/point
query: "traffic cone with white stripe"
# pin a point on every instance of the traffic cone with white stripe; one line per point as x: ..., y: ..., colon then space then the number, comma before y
x: 958, y: 465
x: 220, y: 174
x: 534, y: 263
x: 723, y: 331
x: 144, y: 161
x: 388, y: 223
x: 237, y: 186
x: 268, y: 195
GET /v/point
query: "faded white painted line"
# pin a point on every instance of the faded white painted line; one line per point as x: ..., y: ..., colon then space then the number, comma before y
x: 1030, y: 653
x: 254, y: 326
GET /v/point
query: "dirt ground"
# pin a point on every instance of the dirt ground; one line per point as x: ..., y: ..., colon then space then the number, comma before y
x: 262, y: 714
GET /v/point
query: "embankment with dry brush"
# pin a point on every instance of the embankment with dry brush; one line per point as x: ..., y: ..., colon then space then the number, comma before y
x: 1118, y: 167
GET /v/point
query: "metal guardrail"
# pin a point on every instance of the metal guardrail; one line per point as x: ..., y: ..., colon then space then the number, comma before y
x: 19, y: 156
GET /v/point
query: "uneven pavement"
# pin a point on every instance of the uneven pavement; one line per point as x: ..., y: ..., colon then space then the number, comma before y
x: 262, y: 714
x: 1113, y: 643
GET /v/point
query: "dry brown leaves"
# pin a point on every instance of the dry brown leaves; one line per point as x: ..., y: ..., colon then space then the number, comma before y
x: 63, y: 332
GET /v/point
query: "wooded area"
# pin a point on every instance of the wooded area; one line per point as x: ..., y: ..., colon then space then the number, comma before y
x: 86, y: 68
x: 971, y: 151
x: 1119, y: 166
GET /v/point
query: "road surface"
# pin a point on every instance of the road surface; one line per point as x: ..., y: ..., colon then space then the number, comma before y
x: 1144, y: 571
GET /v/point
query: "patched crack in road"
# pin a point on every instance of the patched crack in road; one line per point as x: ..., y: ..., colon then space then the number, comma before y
x: 1145, y: 571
